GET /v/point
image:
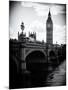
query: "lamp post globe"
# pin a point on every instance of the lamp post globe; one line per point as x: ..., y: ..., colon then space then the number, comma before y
x: 22, y: 26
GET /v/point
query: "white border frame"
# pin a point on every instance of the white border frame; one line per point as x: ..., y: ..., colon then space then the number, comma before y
x: 4, y: 43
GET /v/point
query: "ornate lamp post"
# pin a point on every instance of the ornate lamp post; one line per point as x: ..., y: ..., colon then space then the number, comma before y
x: 57, y: 53
x: 22, y: 26
x: 47, y: 51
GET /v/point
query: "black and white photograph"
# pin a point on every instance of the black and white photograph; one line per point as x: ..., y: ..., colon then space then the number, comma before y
x: 37, y: 44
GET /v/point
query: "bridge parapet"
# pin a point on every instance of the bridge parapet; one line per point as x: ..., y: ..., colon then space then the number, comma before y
x: 33, y: 45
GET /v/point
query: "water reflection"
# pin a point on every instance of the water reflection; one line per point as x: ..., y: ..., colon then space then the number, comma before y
x: 51, y: 76
x: 45, y: 78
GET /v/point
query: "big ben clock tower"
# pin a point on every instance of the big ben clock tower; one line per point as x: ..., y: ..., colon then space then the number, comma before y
x: 49, y: 29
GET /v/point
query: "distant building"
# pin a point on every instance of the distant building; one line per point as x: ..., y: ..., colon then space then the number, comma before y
x: 32, y: 36
x: 49, y: 29
x: 21, y: 36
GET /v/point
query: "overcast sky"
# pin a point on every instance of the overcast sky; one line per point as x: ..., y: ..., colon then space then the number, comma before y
x: 34, y: 16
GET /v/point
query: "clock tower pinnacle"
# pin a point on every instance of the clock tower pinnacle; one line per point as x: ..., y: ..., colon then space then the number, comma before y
x: 49, y: 29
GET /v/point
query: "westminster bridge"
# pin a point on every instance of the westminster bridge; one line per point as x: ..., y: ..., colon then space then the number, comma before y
x: 26, y: 54
x: 36, y: 58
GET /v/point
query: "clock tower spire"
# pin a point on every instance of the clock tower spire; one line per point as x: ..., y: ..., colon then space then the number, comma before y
x: 49, y: 29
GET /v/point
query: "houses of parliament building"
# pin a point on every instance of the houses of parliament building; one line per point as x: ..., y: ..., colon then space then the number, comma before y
x: 49, y: 32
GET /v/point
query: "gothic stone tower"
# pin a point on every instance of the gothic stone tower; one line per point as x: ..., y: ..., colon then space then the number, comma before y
x: 49, y: 29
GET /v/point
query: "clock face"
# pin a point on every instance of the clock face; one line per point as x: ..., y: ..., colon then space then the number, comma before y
x: 48, y: 25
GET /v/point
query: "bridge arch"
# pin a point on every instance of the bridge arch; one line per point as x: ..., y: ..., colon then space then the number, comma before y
x: 35, y: 60
x: 53, y: 58
x: 51, y: 53
x: 35, y: 50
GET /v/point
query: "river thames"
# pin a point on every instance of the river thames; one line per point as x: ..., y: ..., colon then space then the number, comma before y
x: 57, y: 77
